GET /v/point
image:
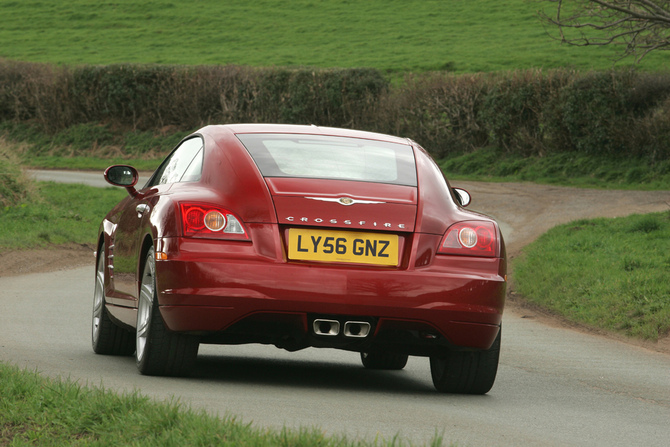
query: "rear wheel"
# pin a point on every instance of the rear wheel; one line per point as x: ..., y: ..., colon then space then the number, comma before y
x: 466, y: 372
x: 106, y: 337
x: 159, y: 351
x: 383, y: 360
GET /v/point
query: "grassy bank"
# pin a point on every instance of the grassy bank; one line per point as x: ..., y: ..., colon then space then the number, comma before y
x: 610, y: 274
x: 58, y: 214
x: 86, y: 146
x: 566, y: 169
x: 38, y: 411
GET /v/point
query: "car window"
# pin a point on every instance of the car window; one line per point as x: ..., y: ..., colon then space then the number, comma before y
x: 183, y: 165
x: 316, y: 156
x: 194, y: 169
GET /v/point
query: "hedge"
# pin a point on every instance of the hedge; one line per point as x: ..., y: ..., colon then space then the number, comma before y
x: 615, y: 113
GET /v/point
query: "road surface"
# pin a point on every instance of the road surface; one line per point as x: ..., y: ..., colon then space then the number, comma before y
x: 555, y: 387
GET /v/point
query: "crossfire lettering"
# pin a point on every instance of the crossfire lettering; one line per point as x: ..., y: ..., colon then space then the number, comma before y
x: 345, y: 222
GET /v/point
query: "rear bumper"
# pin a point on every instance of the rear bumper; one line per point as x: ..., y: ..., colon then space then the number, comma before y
x: 460, y: 300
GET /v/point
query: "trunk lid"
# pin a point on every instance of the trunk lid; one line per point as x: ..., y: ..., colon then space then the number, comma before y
x: 344, y: 204
x: 336, y: 221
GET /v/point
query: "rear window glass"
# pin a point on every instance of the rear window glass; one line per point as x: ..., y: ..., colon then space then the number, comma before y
x: 324, y: 157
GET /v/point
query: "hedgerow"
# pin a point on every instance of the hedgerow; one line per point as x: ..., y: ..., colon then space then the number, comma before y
x: 615, y: 113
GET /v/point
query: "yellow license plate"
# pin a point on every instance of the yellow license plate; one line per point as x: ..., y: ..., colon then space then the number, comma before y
x: 342, y: 246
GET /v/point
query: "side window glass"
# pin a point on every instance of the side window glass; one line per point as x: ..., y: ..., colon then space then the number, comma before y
x: 184, y: 164
x: 194, y: 170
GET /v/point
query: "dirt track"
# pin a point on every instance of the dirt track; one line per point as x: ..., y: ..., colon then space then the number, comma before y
x: 527, y: 210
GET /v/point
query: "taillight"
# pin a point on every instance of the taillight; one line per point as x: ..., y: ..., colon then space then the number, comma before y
x: 201, y: 220
x: 470, y: 238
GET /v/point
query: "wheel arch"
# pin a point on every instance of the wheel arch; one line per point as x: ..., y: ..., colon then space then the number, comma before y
x: 147, y: 244
x: 100, y: 244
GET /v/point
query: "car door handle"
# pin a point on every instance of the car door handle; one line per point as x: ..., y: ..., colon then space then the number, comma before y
x: 141, y: 209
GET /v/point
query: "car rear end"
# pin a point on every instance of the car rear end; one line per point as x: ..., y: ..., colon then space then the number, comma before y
x: 363, y: 249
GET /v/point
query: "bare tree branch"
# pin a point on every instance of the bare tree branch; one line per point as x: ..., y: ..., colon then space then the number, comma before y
x: 639, y: 26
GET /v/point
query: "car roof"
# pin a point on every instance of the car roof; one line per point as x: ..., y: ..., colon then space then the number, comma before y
x: 304, y: 130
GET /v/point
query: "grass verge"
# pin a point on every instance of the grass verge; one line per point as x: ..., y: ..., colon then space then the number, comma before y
x: 605, y: 273
x: 40, y: 411
x: 58, y: 214
x: 88, y: 146
x: 566, y: 169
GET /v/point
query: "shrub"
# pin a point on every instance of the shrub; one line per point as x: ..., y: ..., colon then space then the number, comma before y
x: 438, y: 110
x: 517, y: 111
x: 340, y: 98
x: 593, y: 110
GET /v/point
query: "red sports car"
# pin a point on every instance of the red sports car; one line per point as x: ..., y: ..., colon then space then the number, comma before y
x: 300, y: 236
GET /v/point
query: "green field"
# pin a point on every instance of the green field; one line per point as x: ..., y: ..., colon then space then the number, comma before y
x: 391, y: 35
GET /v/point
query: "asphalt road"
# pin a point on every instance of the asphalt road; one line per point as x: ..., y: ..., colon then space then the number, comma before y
x: 555, y: 386
x: 95, y: 179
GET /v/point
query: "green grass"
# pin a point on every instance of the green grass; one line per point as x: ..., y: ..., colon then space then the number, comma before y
x: 88, y: 146
x: 391, y: 35
x: 60, y: 214
x: 566, y: 169
x: 605, y: 273
x: 15, y: 187
x: 47, y: 412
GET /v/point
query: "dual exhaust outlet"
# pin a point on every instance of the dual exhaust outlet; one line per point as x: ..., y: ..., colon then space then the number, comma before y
x: 331, y: 328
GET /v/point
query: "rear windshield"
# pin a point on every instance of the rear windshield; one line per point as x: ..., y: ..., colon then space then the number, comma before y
x: 324, y: 157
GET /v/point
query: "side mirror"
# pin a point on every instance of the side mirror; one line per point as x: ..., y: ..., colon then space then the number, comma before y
x: 462, y: 196
x: 123, y: 175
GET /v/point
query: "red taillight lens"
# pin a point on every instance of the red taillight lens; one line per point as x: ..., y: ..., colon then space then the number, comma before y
x: 200, y: 220
x: 470, y: 239
x: 194, y: 218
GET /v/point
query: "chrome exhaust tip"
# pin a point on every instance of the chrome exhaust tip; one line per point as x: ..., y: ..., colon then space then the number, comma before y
x: 356, y: 329
x: 329, y: 328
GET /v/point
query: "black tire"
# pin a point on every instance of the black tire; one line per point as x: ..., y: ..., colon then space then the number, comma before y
x: 466, y: 372
x: 159, y: 351
x: 106, y: 337
x: 384, y: 360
